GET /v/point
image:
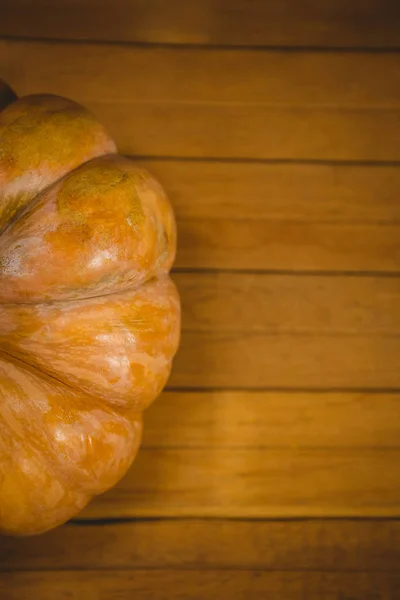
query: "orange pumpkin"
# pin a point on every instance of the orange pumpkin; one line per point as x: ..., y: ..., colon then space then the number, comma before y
x: 89, y: 318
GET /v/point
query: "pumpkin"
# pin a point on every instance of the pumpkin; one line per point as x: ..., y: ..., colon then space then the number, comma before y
x: 89, y: 317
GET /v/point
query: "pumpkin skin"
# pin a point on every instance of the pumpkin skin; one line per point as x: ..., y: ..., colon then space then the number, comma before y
x: 89, y: 317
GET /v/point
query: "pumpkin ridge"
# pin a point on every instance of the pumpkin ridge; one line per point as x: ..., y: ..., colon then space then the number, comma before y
x: 9, y: 356
x: 115, y: 347
x: 64, y: 302
x: 50, y: 456
x: 43, y: 137
x: 19, y: 213
x: 97, y: 242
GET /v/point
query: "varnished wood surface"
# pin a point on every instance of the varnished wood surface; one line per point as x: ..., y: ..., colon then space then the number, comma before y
x: 308, y: 332
x: 196, y: 585
x: 243, y: 105
x: 257, y: 360
x: 270, y: 466
x: 204, y: 559
x: 334, y: 193
x: 274, y: 545
x: 291, y: 303
x: 335, y: 23
x: 125, y: 74
x: 268, y: 420
x: 256, y: 483
x: 287, y: 246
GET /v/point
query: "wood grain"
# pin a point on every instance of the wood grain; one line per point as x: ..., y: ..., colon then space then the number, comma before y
x: 274, y: 331
x: 332, y: 215
x: 255, y: 483
x: 287, y: 246
x: 371, y: 545
x: 272, y: 420
x: 310, y: 193
x: 197, y: 585
x: 258, y: 302
x: 262, y: 132
x: 126, y: 74
x: 336, y: 23
x: 317, y: 107
x: 257, y: 360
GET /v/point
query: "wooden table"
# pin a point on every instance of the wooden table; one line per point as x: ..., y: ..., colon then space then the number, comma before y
x: 270, y: 467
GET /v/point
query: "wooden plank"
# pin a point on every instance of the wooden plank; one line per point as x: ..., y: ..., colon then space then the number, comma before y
x: 255, y: 483
x: 287, y: 246
x: 126, y: 74
x: 363, y: 545
x: 198, y: 585
x: 249, y: 132
x: 336, y: 23
x: 311, y: 193
x: 250, y: 303
x: 273, y: 420
x: 257, y: 360
x: 297, y: 332
x: 227, y: 110
x: 330, y: 214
